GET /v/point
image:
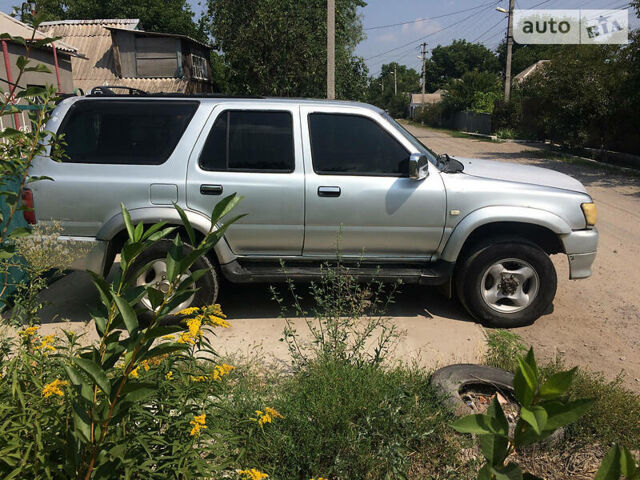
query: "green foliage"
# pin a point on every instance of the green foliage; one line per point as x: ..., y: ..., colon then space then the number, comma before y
x: 474, y: 89
x: 503, y: 349
x: 381, y: 90
x: 342, y: 420
x: 460, y: 57
x: 618, y: 463
x: 278, y: 47
x: 344, y: 318
x: 166, y: 16
x: 545, y: 406
x: 95, y: 411
x: 18, y: 148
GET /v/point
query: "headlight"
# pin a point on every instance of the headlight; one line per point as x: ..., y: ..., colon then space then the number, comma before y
x: 590, y: 213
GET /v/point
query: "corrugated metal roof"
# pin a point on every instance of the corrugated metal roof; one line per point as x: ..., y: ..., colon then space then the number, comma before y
x: 521, y: 77
x: 16, y: 28
x: 131, y: 22
x: 159, y: 34
x: 435, y: 97
x: 150, y: 85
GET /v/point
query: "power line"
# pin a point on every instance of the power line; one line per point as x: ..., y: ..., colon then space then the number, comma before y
x: 426, y: 36
x: 428, y: 18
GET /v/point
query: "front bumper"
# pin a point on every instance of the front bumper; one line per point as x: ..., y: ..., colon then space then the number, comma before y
x: 581, y: 247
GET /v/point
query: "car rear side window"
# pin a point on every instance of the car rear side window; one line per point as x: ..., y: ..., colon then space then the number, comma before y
x: 250, y: 141
x: 343, y: 144
x: 137, y: 132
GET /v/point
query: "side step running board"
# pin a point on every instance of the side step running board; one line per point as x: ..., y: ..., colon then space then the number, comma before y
x: 437, y: 273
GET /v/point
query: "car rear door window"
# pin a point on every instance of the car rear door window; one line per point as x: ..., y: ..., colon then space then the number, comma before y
x: 245, y: 140
x: 354, y: 145
x: 137, y: 132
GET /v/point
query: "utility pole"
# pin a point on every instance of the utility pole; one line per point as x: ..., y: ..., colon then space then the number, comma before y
x: 424, y: 69
x: 331, y: 49
x: 395, y: 80
x: 507, y: 75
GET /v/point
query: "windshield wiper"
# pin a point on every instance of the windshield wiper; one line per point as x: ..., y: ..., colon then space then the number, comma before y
x: 447, y: 164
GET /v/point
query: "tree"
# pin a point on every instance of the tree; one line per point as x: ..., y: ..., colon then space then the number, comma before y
x: 381, y: 89
x: 278, y: 47
x: 475, y: 91
x: 166, y: 16
x: 453, y: 61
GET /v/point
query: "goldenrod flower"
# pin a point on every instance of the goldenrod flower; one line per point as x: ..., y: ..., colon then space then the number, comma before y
x: 252, y: 474
x: 28, y: 332
x: 267, y: 416
x: 216, y: 321
x: 134, y: 373
x: 198, y: 424
x: 220, y: 371
x: 53, y: 388
x: 169, y: 375
x: 185, y: 337
x: 47, y: 344
x: 194, y: 325
x: 168, y: 337
x: 189, y: 311
x: 199, y: 378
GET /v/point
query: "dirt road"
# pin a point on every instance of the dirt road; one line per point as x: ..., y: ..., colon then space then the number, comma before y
x: 595, y: 322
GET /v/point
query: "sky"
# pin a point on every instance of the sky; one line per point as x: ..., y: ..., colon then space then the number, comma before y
x: 440, y: 22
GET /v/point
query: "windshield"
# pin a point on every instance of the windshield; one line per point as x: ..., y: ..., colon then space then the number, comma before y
x: 431, y: 156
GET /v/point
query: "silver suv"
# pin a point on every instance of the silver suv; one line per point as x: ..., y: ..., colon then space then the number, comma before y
x: 318, y: 177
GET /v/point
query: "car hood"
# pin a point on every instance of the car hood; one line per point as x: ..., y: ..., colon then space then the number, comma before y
x: 520, y: 173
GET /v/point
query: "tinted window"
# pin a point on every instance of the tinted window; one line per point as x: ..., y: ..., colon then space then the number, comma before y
x: 250, y: 140
x: 354, y: 145
x: 125, y: 132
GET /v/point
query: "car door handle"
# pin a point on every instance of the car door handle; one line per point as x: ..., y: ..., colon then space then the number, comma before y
x: 211, y: 189
x: 328, y: 191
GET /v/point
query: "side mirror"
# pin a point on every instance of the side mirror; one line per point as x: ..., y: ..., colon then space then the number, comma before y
x: 418, y: 166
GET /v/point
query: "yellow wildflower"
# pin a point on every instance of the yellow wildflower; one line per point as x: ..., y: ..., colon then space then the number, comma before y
x: 169, y: 375
x: 194, y: 325
x: 267, y: 416
x: 47, y: 344
x: 189, y: 311
x: 168, y: 337
x: 216, y: 321
x: 199, y: 378
x: 198, y: 424
x: 252, y: 474
x: 28, y: 332
x: 220, y: 371
x: 134, y: 373
x: 53, y: 388
x: 185, y: 337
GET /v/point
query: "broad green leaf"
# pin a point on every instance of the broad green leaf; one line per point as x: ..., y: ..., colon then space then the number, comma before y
x: 22, y: 62
x: 610, y: 466
x: 478, y: 424
x: 627, y: 463
x: 499, y: 421
x: 74, y: 375
x: 224, y: 206
x: 40, y: 67
x: 31, y: 92
x: 187, y: 224
x: 162, y: 330
x: 103, y: 289
x: 485, y: 472
x: 528, y: 373
x: 174, y: 257
x: 138, y: 231
x: 531, y: 361
x: 557, y: 385
x: 128, y: 314
x: 81, y: 422
x: 560, y: 414
x: 20, y: 232
x: 509, y: 472
x: 535, y: 416
x: 521, y: 389
x: 525, y: 434
x: 127, y: 221
x: 155, y: 297
x: 134, y: 392
x: 95, y: 373
x: 494, y: 448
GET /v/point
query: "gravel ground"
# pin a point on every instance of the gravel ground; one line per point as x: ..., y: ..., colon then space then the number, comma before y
x: 595, y: 322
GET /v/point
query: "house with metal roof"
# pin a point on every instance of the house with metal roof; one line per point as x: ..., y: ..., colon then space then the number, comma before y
x: 57, y: 57
x: 116, y: 53
x: 418, y: 100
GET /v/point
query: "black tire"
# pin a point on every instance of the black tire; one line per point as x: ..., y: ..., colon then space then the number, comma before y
x: 208, y: 285
x: 450, y: 380
x: 471, y: 270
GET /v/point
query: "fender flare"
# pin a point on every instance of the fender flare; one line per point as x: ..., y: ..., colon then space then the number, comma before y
x: 199, y: 221
x: 499, y: 214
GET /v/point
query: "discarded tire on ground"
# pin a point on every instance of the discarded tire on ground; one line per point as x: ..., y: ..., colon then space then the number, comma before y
x: 452, y: 380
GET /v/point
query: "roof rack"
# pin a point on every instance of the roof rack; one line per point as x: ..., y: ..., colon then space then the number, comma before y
x: 108, y: 91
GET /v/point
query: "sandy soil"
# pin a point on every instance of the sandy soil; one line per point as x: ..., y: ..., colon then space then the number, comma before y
x: 595, y: 322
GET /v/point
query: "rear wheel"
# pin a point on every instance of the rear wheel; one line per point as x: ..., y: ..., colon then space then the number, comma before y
x: 506, y: 283
x: 207, y: 286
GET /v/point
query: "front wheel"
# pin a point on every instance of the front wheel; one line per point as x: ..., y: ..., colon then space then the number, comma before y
x: 506, y: 283
x: 207, y: 286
